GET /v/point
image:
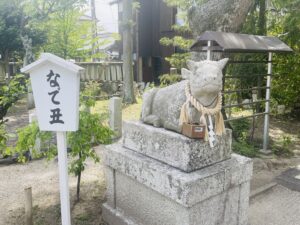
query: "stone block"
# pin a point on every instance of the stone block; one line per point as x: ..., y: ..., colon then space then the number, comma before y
x: 115, y: 216
x: 32, y: 117
x: 175, y: 149
x: 149, y: 192
x: 143, y: 206
x: 244, y: 203
x: 111, y: 186
x: 37, y: 146
x: 115, y: 116
x: 184, y: 188
x: 221, y: 209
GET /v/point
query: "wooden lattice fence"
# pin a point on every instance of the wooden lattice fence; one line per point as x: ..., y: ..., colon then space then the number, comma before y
x: 105, y: 71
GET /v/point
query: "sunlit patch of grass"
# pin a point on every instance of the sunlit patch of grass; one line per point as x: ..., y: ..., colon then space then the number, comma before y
x: 129, y: 112
x: 101, y: 107
x: 133, y: 111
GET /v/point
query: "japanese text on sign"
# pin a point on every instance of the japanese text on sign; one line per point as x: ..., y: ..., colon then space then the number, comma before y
x: 55, y: 114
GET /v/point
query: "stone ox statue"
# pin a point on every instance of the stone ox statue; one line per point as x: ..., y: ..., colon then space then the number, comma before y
x: 192, y: 100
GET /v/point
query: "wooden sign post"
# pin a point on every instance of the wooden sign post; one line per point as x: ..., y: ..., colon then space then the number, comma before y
x: 55, y: 84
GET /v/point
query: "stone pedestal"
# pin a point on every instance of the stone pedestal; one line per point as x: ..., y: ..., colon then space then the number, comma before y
x: 153, y: 189
x: 175, y: 149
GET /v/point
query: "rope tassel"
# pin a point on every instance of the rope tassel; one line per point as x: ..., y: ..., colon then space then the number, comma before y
x: 204, y: 122
x: 184, y: 118
x: 219, y: 124
x: 204, y: 111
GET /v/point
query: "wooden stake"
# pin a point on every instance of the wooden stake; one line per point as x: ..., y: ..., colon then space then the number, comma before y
x: 28, y: 206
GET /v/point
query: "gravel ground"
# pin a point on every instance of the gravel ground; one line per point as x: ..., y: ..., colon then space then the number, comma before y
x: 43, y: 178
x: 277, y: 206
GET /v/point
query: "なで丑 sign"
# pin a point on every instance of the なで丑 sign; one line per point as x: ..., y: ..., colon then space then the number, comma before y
x: 55, y: 84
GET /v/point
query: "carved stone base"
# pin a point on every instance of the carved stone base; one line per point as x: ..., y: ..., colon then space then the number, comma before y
x: 144, y: 191
x: 175, y: 149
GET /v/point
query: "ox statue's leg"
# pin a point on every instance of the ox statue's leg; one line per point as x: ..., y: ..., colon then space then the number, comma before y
x: 172, y: 126
x: 146, y: 115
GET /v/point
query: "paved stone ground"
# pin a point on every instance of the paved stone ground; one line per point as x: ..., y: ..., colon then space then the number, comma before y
x: 278, y: 206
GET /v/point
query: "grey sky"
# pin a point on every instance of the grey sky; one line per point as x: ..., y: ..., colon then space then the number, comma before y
x: 107, y: 15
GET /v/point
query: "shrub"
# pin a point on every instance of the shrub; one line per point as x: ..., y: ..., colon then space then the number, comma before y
x: 168, y: 79
x: 26, y: 142
x: 91, y: 132
x: 244, y: 148
x: 283, y: 148
x: 3, y: 140
x: 240, y: 129
x: 10, y: 93
x: 240, y: 132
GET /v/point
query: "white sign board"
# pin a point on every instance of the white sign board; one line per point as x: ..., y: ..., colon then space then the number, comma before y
x: 55, y: 85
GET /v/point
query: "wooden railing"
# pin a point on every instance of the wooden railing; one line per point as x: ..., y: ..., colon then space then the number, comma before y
x: 110, y: 71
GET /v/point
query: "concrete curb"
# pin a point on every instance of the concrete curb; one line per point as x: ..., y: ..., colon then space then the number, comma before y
x: 262, y: 189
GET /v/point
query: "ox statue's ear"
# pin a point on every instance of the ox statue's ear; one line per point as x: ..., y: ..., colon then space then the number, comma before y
x: 222, y: 63
x: 186, y: 74
x: 191, y: 65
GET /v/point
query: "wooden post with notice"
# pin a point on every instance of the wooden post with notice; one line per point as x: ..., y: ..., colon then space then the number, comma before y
x: 56, y: 84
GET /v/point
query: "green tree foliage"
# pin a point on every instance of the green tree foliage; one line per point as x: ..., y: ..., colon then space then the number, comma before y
x: 3, y: 140
x: 241, y: 143
x: 91, y: 132
x: 178, y: 59
x: 65, y: 36
x: 256, y: 21
x: 284, y: 23
x: 10, y: 41
x: 184, y: 4
x: 252, y: 73
x: 281, y: 19
x: 20, y: 18
x: 27, y: 137
x: 287, y: 80
x: 10, y: 92
x: 168, y: 79
x: 183, y: 38
x: 69, y: 36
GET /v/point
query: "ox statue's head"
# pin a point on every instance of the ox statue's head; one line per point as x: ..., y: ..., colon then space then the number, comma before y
x: 205, y: 76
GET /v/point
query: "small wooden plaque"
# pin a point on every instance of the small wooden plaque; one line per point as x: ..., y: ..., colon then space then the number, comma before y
x: 195, y: 131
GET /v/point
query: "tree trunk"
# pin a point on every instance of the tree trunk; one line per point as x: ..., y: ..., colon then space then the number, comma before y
x: 262, y: 22
x: 28, y: 58
x: 78, y: 187
x: 262, y: 30
x: 219, y: 15
x: 94, y: 29
x: 127, y: 52
x: 78, y: 182
x: 6, y: 64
